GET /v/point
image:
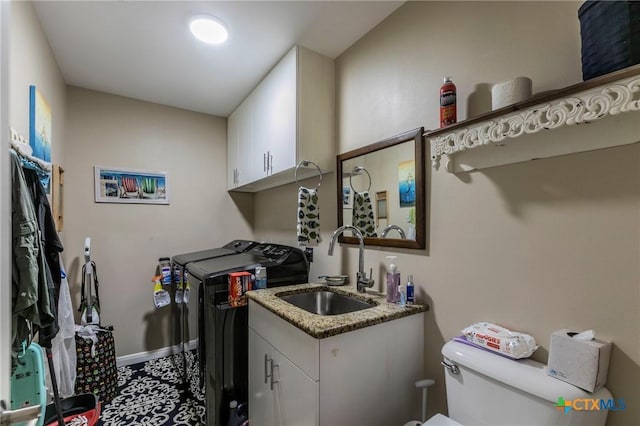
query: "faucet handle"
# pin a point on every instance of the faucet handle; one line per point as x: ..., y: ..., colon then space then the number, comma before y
x: 363, y: 281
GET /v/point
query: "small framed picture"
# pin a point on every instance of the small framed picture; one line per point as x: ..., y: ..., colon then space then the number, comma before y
x: 346, y: 197
x: 114, y: 185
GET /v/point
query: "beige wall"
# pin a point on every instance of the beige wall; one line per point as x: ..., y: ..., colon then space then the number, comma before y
x: 128, y: 239
x: 537, y: 246
x: 31, y: 62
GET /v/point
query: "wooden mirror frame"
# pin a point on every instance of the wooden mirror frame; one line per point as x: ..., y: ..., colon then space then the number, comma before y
x: 420, y: 210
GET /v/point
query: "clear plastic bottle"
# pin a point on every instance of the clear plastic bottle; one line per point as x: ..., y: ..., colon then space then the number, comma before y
x: 164, y: 267
x: 177, y: 281
x: 402, y: 296
x: 393, y: 280
x: 261, y: 277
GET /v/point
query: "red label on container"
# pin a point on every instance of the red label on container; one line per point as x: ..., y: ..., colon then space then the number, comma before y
x: 239, y: 282
x: 448, y: 107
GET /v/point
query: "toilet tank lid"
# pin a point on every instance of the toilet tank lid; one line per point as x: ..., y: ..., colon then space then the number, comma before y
x: 524, y: 374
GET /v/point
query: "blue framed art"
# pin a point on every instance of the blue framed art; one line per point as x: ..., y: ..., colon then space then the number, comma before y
x: 39, y: 125
x: 407, y: 183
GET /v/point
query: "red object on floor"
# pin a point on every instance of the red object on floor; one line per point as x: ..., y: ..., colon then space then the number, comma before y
x: 85, y: 405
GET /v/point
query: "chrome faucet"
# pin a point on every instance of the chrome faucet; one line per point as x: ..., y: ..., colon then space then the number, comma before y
x: 362, y: 282
x: 386, y: 230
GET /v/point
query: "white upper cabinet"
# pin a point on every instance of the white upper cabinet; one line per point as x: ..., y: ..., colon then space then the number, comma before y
x: 287, y: 118
x: 233, y: 135
x: 239, y: 136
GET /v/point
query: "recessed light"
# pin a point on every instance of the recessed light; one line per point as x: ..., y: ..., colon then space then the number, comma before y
x: 208, y: 29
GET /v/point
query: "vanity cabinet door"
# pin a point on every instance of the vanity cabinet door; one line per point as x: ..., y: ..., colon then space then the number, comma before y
x: 279, y: 392
x: 296, y: 394
x: 261, y: 398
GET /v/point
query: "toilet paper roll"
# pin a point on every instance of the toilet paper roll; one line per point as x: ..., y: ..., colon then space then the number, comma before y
x: 510, y: 92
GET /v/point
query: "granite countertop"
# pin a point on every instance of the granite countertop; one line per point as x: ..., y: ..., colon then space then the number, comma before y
x: 322, y: 326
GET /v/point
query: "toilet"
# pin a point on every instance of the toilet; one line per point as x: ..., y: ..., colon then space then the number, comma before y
x: 487, y: 389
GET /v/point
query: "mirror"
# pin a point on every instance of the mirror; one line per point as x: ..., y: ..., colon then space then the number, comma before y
x: 381, y: 191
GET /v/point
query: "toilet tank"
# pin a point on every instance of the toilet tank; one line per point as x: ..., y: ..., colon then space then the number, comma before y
x: 492, y: 390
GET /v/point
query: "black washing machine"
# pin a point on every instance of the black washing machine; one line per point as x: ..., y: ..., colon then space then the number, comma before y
x: 181, y: 311
x: 223, y: 333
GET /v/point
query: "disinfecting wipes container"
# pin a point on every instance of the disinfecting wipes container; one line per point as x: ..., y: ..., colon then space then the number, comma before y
x: 501, y: 340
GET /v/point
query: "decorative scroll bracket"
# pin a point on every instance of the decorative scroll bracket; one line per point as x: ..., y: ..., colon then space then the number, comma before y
x: 583, y: 107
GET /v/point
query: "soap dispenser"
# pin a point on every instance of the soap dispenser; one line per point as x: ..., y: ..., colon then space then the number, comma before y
x: 393, y: 280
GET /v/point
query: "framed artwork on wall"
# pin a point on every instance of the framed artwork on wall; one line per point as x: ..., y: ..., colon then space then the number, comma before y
x: 129, y: 186
x: 346, y: 197
x: 40, y: 132
x: 39, y: 125
x: 407, y: 183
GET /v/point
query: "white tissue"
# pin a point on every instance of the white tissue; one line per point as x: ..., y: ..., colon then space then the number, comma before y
x: 510, y: 92
x: 585, y: 335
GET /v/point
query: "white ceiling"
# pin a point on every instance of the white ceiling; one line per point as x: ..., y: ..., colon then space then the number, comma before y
x: 144, y: 50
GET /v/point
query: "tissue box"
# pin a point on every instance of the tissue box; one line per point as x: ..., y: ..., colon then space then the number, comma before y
x: 583, y: 363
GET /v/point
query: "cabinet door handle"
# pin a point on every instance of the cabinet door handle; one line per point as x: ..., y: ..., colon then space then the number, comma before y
x: 264, y: 162
x: 271, y: 376
x: 270, y: 162
x: 268, y: 371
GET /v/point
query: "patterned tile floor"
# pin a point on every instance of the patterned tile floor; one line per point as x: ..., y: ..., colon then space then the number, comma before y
x: 151, y: 394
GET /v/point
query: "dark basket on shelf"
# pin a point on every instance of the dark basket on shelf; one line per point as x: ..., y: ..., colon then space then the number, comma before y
x: 610, y: 32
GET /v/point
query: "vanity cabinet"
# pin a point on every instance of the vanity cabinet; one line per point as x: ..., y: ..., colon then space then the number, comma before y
x: 287, y: 118
x: 281, y: 393
x: 364, y: 376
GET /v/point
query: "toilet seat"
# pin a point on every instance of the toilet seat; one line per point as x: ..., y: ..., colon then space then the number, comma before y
x: 440, y: 420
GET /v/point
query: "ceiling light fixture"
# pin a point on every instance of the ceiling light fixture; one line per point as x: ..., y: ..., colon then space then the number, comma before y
x: 208, y: 29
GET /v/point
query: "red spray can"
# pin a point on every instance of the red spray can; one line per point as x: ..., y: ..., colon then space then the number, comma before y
x: 448, y: 109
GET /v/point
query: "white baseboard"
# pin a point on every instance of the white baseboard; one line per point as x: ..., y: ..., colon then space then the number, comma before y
x: 154, y: 354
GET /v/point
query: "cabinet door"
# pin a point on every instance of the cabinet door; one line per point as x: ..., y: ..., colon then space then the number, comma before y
x: 296, y: 394
x: 275, y: 118
x: 291, y: 400
x: 233, y: 135
x: 282, y: 114
x: 246, y: 169
x: 261, y: 398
